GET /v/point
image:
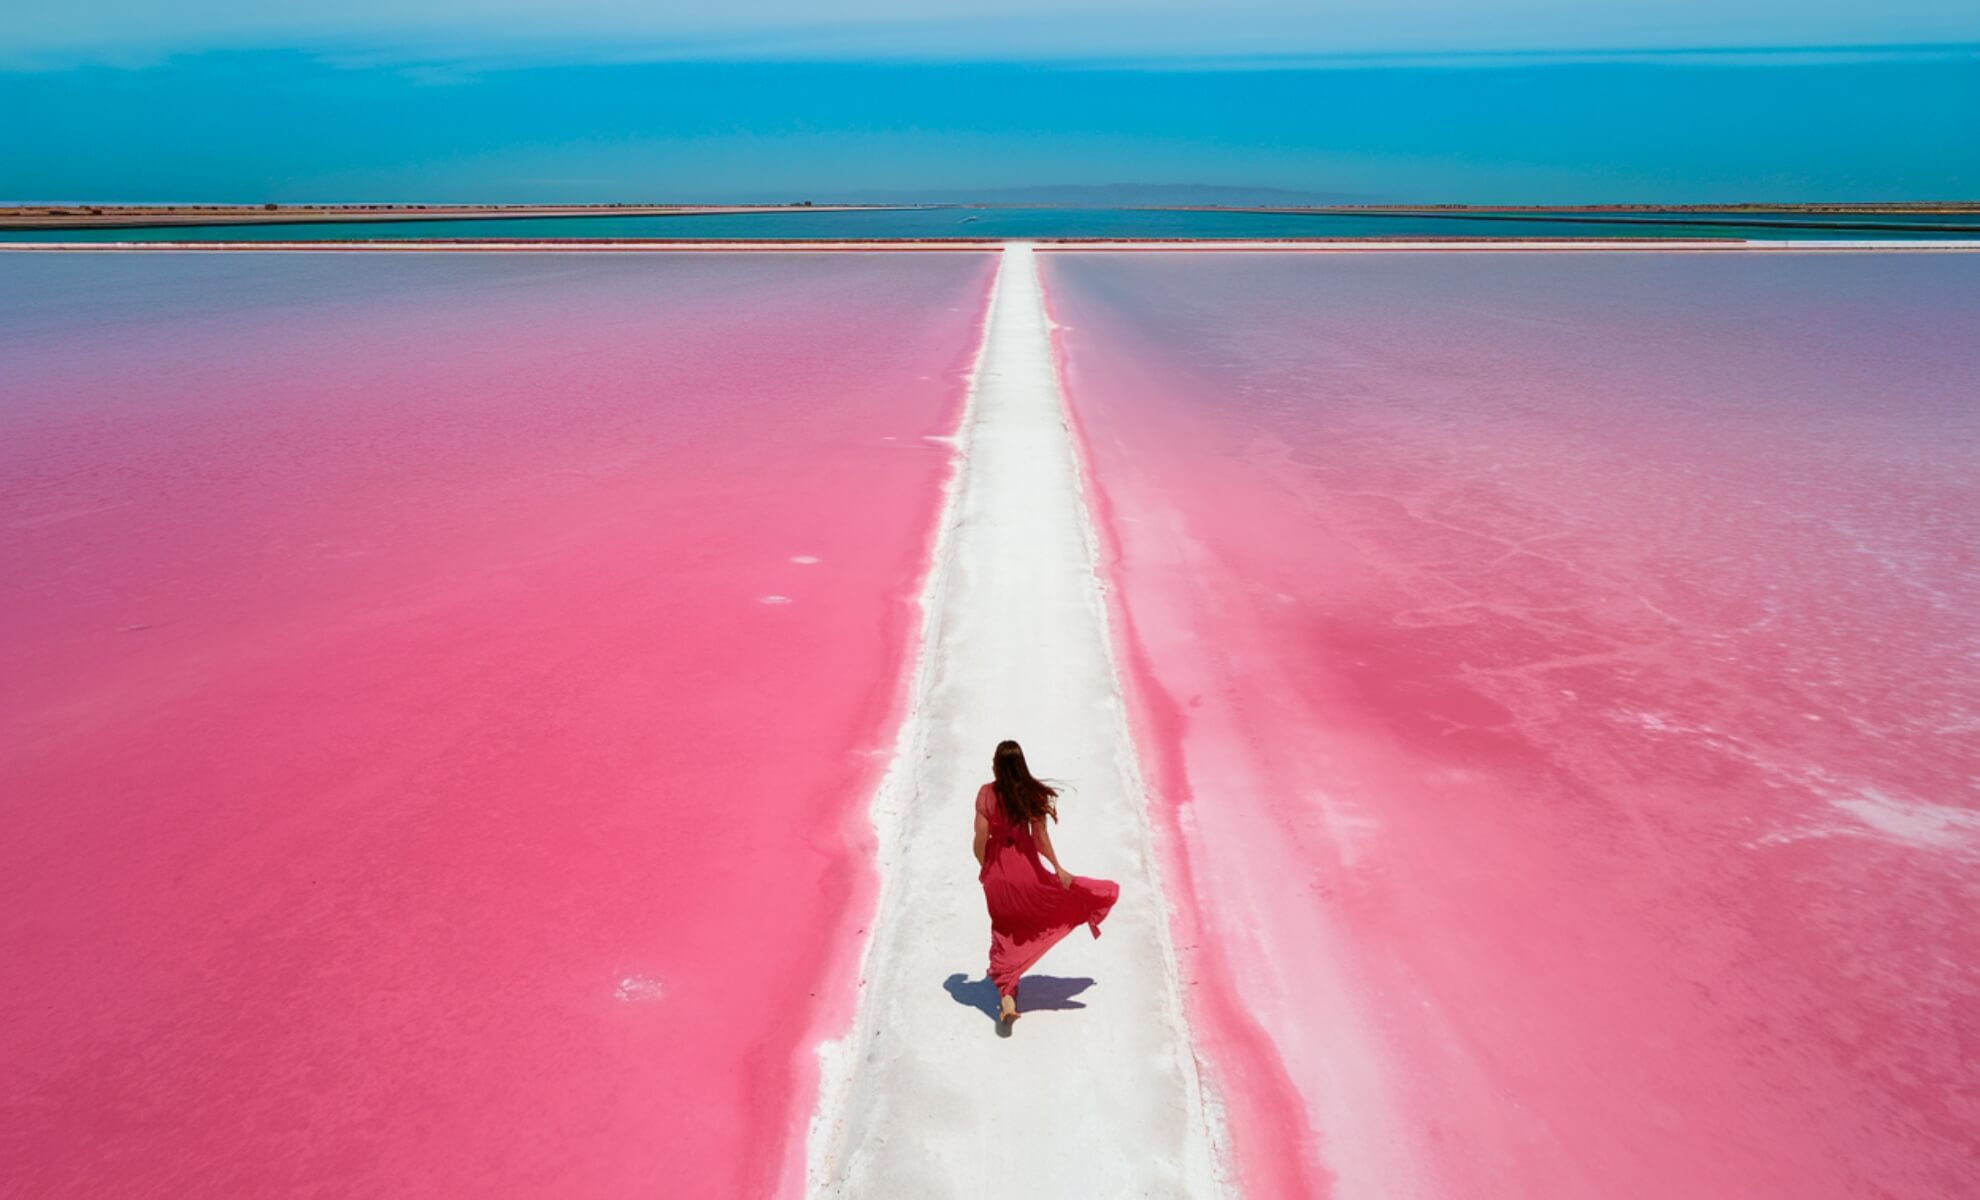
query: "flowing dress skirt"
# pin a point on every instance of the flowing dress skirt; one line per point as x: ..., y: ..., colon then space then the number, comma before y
x: 1030, y: 911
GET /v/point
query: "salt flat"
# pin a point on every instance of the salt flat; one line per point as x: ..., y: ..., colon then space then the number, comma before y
x: 1097, y: 1093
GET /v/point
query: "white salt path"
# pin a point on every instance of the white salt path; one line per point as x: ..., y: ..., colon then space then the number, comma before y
x: 922, y: 1098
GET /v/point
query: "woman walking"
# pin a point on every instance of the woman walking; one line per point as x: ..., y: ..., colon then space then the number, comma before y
x: 1031, y: 908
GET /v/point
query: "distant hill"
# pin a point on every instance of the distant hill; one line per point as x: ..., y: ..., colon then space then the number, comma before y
x: 1110, y: 195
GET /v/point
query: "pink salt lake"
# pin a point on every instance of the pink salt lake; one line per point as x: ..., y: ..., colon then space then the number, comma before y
x: 405, y: 782
x: 1558, y: 677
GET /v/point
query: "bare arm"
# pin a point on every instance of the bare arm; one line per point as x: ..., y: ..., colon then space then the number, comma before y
x: 1043, y: 836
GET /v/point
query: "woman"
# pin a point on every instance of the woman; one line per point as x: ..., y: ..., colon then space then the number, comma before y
x: 1030, y: 908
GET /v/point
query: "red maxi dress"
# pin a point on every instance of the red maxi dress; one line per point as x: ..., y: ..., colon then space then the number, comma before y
x: 1029, y: 910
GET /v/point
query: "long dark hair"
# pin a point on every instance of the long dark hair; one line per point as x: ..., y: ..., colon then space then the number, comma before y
x: 1025, y: 799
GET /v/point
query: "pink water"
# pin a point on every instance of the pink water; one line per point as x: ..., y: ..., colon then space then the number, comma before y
x: 441, y: 696
x: 1561, y: 679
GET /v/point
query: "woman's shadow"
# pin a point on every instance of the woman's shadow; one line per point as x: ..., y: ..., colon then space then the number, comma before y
x: 1037, y: 993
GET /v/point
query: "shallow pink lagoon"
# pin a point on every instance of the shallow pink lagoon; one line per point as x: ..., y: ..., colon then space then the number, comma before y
x: 441, y: 696
x: 1559, y: 676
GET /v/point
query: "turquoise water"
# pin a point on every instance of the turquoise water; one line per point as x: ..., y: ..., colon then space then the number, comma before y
x: 1003, y: 223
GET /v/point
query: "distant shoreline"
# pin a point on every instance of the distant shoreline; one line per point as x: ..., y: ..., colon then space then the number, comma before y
x: 1667, y: 216
x: 1045, y: 245
x: 146, y: 216
x: 1867, y: 208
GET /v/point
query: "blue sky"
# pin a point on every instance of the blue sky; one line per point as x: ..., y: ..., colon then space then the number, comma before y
x: 1513, y: 101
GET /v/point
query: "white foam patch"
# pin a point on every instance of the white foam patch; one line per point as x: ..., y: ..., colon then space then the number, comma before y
x: 637, y: 989
x: 1917, y: 823
x: 774, y: 600
x: 1857, y: 809
x: 804, y: 560
x: 1349, y: 828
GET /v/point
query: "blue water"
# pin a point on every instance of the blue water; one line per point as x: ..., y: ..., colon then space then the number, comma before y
x: 1045, y: 223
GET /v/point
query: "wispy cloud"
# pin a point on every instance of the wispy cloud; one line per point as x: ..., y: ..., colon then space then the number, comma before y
x: 1744, y: 56
x: 1263, y: 33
